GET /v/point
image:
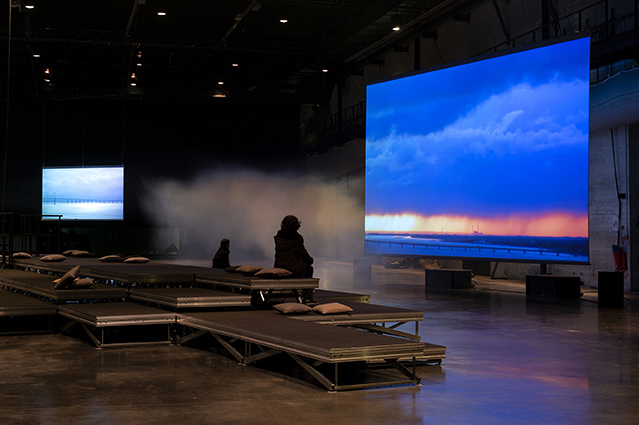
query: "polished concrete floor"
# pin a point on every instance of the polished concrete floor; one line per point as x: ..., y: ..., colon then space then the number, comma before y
x: 509, y: 361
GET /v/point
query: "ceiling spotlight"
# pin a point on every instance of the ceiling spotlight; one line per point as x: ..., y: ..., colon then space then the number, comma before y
x: 46, y: 80
x: 29, y: 6
x: 220, y: 81
x: 138, y: 64
x: 133, y: 75
x: 46, y: 71
x: 396, y: 21
x: 36, y: 55
x: 235, y: 64
x: 133, y: 84
x: 139, y: 55
x: 161, y: 13
x: 283, y: 21
x: 324, y: 70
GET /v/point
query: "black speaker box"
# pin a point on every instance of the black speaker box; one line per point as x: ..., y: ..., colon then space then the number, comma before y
x: 554, y: 287
x: 610, y: 289
x: 448, y: 279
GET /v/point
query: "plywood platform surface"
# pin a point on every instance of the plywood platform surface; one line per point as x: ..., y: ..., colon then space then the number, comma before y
x: 106, y: 314
x: 161, y: 272
x: 321, y: 294
x: 13, y: 304
x: 190, y: 297
x: 115, y: 309
x: 276, y: 326
x: 42, y: 284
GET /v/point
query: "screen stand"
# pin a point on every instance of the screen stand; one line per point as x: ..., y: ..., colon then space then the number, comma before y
x: 492, y: 274
x: 543, y: 269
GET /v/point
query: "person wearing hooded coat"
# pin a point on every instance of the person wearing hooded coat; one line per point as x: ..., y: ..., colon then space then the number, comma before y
x: 221, y: 258
x: 290, y: 253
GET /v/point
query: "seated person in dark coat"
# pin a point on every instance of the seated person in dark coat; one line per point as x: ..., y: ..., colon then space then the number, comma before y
x: 290, y: 253
x: 221, y: 259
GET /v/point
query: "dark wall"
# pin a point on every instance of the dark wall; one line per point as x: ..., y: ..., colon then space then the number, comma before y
x: 152, y: 139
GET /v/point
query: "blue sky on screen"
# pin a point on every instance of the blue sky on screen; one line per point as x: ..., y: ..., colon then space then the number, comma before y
x: 501, y: 136
x: 105, y: 184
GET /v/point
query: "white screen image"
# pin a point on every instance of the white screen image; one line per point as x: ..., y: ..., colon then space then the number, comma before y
x: 83, y: 193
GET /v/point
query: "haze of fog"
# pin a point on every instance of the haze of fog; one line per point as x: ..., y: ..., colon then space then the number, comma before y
x: 247, y: 207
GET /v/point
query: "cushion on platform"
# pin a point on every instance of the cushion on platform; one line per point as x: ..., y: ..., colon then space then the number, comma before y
x: 68, y: 278
x: 111, y: 259
x: 21, y: 255
x: 77, y: 253
x: 83, y: 283
x: 232, y: 269
x: 69, y: 252
x: 332, y: 308
x: 53, y: 257
x: 292, y: 308
x: 273, y: 273
x: 249, y: 270
x: 136, y: 259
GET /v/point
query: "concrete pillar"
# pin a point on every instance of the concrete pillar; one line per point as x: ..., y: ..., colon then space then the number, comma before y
x: 633, y: 205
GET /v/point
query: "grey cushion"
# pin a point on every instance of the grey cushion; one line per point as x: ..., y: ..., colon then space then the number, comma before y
x: 332, y: 308
x: 53, y: 258
x: 232, y: 269
x: 249, y: 270
x: 83, y: 283
x: 78, y: 253
x: 273, y: 273
x: 111, y: 259
x: 136, y: 259
x: 68, y: 278
x: 292, y: 308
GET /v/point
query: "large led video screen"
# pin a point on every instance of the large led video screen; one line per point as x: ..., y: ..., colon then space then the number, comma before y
x: 486, y: 160
x: 83, y: 193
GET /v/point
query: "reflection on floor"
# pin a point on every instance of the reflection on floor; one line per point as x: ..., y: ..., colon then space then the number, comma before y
x: 509, y: 361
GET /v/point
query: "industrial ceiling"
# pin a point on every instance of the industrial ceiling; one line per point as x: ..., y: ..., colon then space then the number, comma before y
x: 196, y: 49
x: 193, y: 48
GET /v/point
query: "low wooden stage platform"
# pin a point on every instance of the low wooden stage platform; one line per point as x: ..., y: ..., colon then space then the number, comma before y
x: 159, y: 274
x: 367, y: 316
x: 310, y: 345
x: 118, y: 273
x: 20, y: 314
x: 378, y: 319
x: 42, y: 285
x: 164, y: 303
x: 323, y: 294
x: 190, y: 298
x: 95, y: 319
x: 267, y: 290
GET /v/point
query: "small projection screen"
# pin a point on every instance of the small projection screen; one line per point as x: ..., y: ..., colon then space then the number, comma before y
x: 485, y: 160
x: 83, y: 193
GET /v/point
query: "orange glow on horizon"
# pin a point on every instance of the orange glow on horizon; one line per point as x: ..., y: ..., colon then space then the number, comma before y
x: 549, y: 225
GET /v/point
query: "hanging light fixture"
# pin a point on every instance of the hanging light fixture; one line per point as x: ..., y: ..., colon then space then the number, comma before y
x: 396, y: 21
